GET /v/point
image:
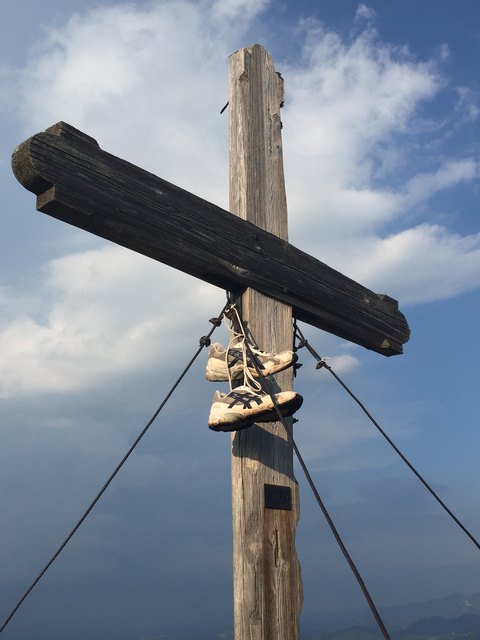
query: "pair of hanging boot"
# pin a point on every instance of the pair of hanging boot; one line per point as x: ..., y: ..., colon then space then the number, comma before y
x: 246, y: 404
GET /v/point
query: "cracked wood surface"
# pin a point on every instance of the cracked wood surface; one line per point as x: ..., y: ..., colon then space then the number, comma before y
x: 268, y: 592
x: 79, y: 183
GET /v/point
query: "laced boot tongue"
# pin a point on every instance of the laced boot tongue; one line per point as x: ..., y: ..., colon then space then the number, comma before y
x: 240, y: 346
x: 245, y: 388
x: 259, y: 352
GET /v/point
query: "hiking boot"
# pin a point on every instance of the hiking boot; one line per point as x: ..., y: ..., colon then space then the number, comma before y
x: 242, y: 407
x: 222, y: 362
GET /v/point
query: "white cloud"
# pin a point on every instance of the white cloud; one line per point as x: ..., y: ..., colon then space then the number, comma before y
x: 347, y: 102
x: 365, y: 13
x: 148, y: 82
x: 444, y: 52
x: 106, y: 312
x: 425, y: 185
x: 246, y: 9
x: 421, y: 264
x: 350, y: 118
x: 468, y: 104
x: 343, y: 363
x: 8, y: 88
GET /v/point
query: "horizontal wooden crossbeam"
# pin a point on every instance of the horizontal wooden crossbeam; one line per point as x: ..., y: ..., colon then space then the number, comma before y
x: 75, y: 181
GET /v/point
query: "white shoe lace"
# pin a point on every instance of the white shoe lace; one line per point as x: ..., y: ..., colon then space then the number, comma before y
x: 239, y: 340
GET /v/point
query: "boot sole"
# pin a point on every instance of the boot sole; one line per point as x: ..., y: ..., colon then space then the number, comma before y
x: 269, y: 415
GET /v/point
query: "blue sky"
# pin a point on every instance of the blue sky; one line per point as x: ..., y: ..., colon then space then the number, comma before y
x: 381, y: 147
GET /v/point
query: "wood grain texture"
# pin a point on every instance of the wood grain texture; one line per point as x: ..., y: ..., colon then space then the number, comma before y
x: 268, y: 594
x: 79, y: 183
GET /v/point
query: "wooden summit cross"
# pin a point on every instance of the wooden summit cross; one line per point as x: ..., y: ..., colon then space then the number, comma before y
x: 75, y: 181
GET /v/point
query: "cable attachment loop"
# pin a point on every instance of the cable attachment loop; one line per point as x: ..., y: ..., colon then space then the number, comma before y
x: 205, y: 341
x: 296, y: 367
x: 216, y: 321
x: 230, y: 311
x: 300, y: 344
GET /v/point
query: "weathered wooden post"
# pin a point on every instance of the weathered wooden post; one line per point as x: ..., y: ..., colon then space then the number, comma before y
x: 77, y: 182
x: 268, y: 594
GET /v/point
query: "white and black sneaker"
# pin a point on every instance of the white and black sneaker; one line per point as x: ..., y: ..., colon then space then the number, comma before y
x: 230, y: 364
x: 242, y: 407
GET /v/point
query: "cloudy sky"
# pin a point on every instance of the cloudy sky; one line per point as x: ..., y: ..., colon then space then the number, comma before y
x: 381, y: 146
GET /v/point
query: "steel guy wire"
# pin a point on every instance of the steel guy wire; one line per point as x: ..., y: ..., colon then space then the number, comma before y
x: 204, y: 342
x: 321, y: 363
x: 267, y: 388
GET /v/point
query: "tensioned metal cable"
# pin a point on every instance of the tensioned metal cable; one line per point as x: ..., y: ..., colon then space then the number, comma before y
x: 321, y: 363
x: 268, y: 389
x: 204, y: 342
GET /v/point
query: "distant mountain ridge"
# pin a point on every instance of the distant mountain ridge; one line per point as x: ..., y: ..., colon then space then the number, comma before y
x: 466, y: 627
x: 455, y: 617
x: 450, y: 607
x: 468, y: 623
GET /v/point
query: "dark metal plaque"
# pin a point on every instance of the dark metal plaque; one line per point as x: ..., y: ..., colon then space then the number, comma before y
x: 277, y: 497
